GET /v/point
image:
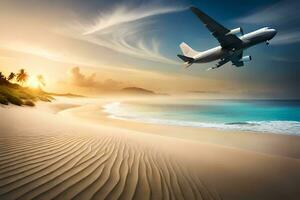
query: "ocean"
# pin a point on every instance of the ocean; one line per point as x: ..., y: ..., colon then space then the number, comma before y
x: 266, y: 116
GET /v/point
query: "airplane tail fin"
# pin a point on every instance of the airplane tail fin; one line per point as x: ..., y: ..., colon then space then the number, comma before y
x: 187, y: 50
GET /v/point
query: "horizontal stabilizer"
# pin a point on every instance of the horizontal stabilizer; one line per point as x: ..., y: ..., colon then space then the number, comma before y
x: 185, y: 58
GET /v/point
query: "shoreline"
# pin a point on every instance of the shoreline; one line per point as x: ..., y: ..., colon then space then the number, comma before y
x: 266, y: 143
x: 119, y: 111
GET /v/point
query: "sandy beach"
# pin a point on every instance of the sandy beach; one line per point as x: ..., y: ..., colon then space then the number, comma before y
x: 70, y: 149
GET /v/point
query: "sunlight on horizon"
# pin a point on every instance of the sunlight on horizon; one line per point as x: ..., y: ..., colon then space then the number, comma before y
x: 33, y: 82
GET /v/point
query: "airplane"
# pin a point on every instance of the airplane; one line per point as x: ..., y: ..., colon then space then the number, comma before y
x: 231, y: 46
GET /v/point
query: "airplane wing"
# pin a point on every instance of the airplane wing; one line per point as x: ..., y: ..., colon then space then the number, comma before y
x: 236, y: 60
x: 229, y: 41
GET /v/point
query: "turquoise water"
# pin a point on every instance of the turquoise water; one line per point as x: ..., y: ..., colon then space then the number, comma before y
x: 275, y: 116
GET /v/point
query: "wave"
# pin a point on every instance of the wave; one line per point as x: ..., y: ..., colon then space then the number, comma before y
x: 279, y: 127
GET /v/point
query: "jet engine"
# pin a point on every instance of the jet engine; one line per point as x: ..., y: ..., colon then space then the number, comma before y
x: 245, y: 59
x: 236, y: 31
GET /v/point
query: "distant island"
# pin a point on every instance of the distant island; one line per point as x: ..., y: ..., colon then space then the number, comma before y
x: 204, y: 92
x: 137, y: 91
x: 65, y: 94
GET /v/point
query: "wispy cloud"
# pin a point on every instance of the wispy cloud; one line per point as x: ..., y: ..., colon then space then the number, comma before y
x: 288, y: 37
x: 283, y: 15
x: 29, y: 49
x: 5, y: 58
x: 124, y: 14
x: 285, y: 59
x: 283, y: 11
x: 124, y: 29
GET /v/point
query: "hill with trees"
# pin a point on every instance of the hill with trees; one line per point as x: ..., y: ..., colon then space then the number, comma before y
x: 12, y: 89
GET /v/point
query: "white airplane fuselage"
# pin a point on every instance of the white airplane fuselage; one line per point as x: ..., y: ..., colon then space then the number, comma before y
x: 250, y: 39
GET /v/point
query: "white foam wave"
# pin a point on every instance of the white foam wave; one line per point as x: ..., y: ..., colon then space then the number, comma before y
x: 280, y: 127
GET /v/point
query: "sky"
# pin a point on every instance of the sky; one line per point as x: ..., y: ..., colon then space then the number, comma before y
x: 98, y: 46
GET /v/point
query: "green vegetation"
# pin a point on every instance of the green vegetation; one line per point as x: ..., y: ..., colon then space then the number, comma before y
x: 3, y: 100
x: 18, y: 95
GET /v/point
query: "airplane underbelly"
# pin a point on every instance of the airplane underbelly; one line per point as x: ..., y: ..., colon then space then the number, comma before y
x: 211, y: 56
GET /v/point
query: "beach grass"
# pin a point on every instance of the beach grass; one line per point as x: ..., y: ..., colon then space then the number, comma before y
x: 18, y: 95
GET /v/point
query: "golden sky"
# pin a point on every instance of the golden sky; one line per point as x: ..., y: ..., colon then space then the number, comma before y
x: 90, y: 50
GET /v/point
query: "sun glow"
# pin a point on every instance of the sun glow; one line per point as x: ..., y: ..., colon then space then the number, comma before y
x: 33, y: 82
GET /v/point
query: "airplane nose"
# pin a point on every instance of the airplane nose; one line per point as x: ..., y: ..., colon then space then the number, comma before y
x: 274, y: 32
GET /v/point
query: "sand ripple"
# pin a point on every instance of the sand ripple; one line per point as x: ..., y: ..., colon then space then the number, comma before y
x: 65, y: 166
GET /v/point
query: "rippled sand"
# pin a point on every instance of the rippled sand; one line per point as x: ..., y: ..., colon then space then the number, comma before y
x: 46, y: 161
x: 44, y: 155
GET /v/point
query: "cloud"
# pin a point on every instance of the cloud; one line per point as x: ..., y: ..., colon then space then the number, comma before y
x: 283, y: 15
x: 283, y: 11
x: 285, y: 59
x: 124, y: 14
x: 124, y: 29
x: 6, y: 58
x: 77, y: 78
x: 30, y: 49
x: 289, y: 37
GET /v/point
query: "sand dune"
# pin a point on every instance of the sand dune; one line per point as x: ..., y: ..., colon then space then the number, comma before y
x: 64, y: 162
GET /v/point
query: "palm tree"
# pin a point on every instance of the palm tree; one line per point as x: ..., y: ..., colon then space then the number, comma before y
x: 22, y: 76
x: 2, y: 78
x: 11, y: 76
x: 41, y: 80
